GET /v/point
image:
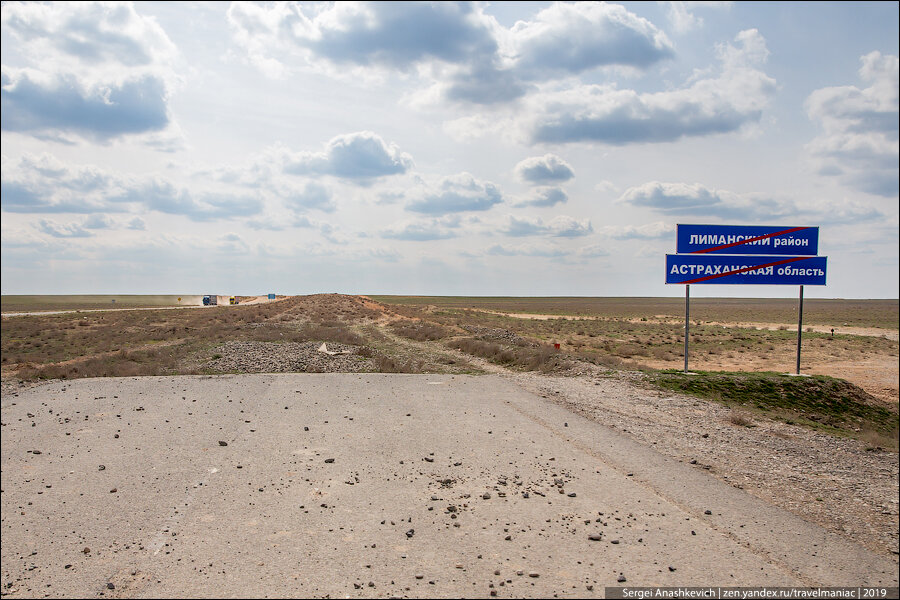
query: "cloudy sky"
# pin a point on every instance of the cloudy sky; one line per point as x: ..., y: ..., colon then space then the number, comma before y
x: 448, y: 148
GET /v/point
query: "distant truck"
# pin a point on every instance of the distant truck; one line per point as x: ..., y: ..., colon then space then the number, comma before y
x: 232, y: 300
x: 210, y: 300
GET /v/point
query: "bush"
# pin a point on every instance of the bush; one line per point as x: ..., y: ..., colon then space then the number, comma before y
x: 542, y: 358
x: 419, y: 331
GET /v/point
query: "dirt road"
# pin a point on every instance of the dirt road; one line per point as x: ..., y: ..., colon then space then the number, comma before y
x: 369, y: 485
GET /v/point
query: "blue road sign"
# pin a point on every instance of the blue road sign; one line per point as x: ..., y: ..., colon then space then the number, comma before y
x: 747, y: 239
x: 745, y: 270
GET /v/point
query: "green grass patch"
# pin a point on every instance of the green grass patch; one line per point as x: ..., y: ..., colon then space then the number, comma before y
x: 824, y: 403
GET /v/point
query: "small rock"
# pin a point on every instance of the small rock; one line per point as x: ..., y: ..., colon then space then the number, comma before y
x: 410, y: 533
x: 221, y: 443
x: 621, y: 578
x: 671, y: 569
x: 533, y: 574
x: 110, y: 586
x: 707, y: 512
x: 595, y: 537
x: 486, y: 496
x: 329, y: 460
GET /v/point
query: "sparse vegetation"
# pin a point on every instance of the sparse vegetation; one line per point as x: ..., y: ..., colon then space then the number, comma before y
x: 624, y: 334
x: 540, y: 358
x: 419, y: 330
x: 825, y: 403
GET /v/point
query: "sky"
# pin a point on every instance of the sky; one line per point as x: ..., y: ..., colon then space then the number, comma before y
x: 516, y: 149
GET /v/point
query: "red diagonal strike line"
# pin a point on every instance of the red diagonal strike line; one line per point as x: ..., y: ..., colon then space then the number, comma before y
x: 748, y: 240
x: 744, y: 270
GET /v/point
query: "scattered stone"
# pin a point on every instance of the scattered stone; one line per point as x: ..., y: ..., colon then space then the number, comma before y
x: 221, y: 443
x: 707, y: 512
x: 486, y: 496
x: 533, y: 574
x: 671, y: 569
x: 329, y: 460
x: 621, y: 578
x: 110, y: 586
x: 595, y: 537
x: 410, y: 533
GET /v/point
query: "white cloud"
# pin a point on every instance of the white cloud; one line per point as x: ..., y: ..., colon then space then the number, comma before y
x: 420, y: 230
x: 538, y: 250
x: 567, y: 39
x: 859, y: 144
x: 544, y: 197
x: 649, y: 231
x: 72, y: 230
x: 559, y: 226
x: 362, y: 157
x: 544, y: 169
x: 606, y: 114
x: 697, y: 200
x: 454, y: 194
x: 98, y: 70
x: 683, y: 19
x: 389, y: 35
x: 313, y: 195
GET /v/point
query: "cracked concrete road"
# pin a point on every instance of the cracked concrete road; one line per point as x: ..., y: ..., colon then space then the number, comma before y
x: 369, y: 485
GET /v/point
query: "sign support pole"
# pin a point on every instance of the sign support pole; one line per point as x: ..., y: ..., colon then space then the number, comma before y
x: 687, y: 321
x: 799, y: 329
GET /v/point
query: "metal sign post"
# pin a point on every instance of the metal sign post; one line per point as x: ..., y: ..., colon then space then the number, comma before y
x: 799, y: 329
x: 687, y: 321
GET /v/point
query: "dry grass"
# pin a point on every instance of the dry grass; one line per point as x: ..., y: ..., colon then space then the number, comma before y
x: 740, y: 418
x: 542, y: 358
x: 421, y: 331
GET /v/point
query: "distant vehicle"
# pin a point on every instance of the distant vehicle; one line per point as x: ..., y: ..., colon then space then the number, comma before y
x: 210, y: 300
x: 232, y: 300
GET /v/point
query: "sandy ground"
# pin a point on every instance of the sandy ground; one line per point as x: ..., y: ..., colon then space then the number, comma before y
x: 371, y: 485
x: 878, y: 375
x: 866, y: 331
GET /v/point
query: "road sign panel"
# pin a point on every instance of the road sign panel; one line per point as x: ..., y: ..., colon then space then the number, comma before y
x: 745, y: 270
x: 747, y: 239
